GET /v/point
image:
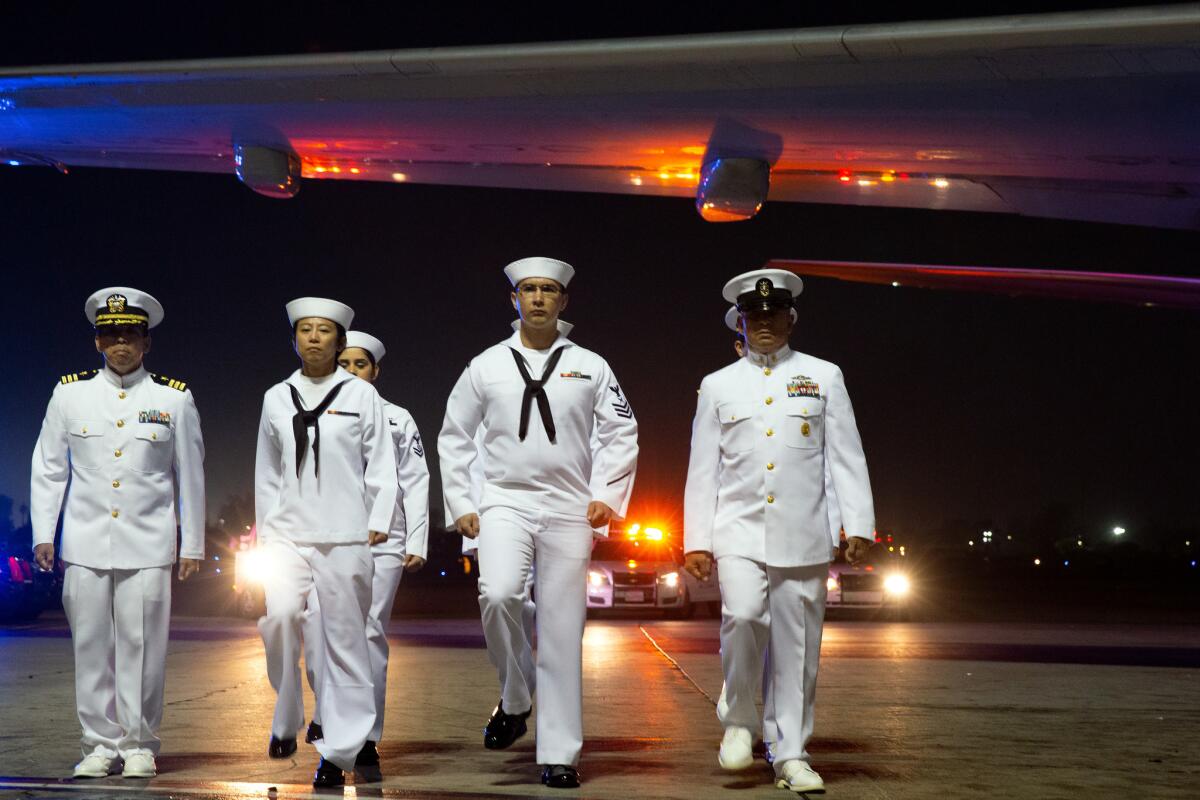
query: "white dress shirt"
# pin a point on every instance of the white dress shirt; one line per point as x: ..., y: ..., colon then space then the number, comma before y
x: 356, y: 490
x: 562, y: 476
x: 766, y: 430
x: 131, y: 451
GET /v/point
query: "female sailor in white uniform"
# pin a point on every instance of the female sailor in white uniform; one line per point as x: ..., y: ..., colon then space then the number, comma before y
x: 405, y: 548
x: 324, y: 490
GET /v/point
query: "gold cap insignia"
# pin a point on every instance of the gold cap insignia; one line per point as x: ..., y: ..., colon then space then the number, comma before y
x: 764, y: 286
x: 116, y: 303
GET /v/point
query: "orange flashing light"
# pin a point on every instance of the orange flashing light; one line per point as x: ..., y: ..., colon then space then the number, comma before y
x: 631, y: 564
x: 653, y: 534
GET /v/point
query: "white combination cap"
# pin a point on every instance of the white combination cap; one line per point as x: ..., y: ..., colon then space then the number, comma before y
x: 121, y: 305
x: 731, y: 319
x: 564, y: 328
x: 332, y: 310
x: 366, y: 341
x: 539, y: 267
x: 763, y: 288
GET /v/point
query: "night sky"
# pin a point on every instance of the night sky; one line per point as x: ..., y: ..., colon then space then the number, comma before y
x: 970, y: 406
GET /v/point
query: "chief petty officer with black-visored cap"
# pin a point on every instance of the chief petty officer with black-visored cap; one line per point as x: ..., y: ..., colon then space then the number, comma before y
x: 767, y: 427
x: 127, y: 445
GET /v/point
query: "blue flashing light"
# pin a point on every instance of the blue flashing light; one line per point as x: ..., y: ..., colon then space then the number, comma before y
x: 12, y: 162
x: 1193, y: 562
x: 443, y: 573
x: 216, y: 558
x: 7, y: 104
x: 1066, y: 563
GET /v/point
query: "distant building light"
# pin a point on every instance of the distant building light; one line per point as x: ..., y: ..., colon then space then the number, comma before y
x: 1066, y: 563
x: 1037, y: 562
x: 1079, y: 542
x: 895, y: 283
x: 399, y: 177
x: 1117, y: 531
x: 971, y: 543
x: 940, y: 183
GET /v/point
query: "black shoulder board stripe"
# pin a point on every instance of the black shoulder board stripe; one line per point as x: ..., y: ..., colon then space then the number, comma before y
x: 172, y: 382
x: 75, y: 377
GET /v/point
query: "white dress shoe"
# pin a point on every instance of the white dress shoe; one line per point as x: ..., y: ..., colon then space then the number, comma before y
x: 736, y: 750
x: 139, y: 764
x: 94, y: 765
x: 798, y: 776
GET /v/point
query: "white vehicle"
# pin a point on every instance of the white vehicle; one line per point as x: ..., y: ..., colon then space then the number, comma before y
x: 642, y: 568
x: 879, y: 584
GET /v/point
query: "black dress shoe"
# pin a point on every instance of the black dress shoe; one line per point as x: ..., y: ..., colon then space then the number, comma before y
x: 560, y: 776
x: 314, y: 733
x: 368, y: 756
x: 281, y: 748
x: 366, y: 765
x: 503, y: 729
x: 329, y: 775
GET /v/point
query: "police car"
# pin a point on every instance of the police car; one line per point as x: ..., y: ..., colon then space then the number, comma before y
x: 641, y: 568
x: 879, y: 584
x: 25, y: 590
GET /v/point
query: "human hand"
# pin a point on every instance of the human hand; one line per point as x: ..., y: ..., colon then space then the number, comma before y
x: 857, y: 549
x: 43, y: 554
x: 413, y: 563
x: 468, y: 525
x: 377, y: 538
x: 598, y: 514
x: 699, y: 564
x: 188, y: 567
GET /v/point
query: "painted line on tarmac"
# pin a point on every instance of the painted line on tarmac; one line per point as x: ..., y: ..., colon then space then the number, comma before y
x: 225, y: 790
x: 675, y: 664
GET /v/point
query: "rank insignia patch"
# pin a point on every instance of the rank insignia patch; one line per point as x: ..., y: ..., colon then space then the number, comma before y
x: 417, y: 449
x: 575, y: 374
x: 620, y: 405
x: 803, y: 386
x: 154, y: 416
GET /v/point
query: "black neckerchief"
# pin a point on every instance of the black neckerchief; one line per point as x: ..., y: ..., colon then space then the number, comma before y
x: 534, y: 390
x: 303, y: 418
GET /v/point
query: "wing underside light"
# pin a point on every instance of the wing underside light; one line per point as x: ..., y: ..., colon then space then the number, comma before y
x: 1143, y: 290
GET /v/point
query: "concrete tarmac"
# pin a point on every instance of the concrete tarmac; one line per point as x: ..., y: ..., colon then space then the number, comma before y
x: 903, y: 710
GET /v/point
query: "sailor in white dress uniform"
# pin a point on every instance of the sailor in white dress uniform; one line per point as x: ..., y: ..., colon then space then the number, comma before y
x: 767, y: 427
x: 544, y: 491
x: 325, y: 491
x: 121, y: 456
x: 405, y: 549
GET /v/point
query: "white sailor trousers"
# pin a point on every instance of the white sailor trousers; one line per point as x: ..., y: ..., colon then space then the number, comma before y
x: 389, y: 569
x: 341, y: 574
x: 511, y: 542
x: 785, y: 607
x: 119, y: 619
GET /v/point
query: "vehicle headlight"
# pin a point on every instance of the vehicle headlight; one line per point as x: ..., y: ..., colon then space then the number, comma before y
x: 896, y: 584
x: 831, y: 583
x: 596, y: 578
x: 670, y: 579
x: 252, y: 566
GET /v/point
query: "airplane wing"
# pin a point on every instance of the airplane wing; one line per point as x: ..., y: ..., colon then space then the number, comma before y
x: 1144, y: 290
x: 1086, y: 116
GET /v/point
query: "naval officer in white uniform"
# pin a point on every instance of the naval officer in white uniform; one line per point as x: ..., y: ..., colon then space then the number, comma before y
x: 123, y: 447
x: 767, y: 427
x: 405, y: 549
x: 324, y: 491
x: 539, y: 397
